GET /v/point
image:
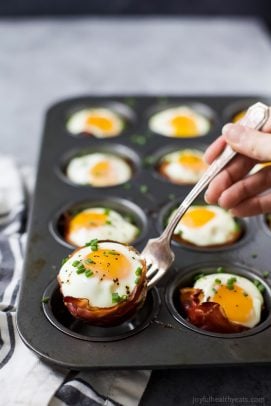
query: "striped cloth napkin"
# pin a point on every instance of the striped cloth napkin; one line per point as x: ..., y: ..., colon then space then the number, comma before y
x: 25, y: 379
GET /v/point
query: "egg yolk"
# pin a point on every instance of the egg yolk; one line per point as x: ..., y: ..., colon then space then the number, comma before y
x: 184, y: 126
x: 197, y: 217
x: 192, y: 162
x: 101, y: 169
x: 87, y: 219
x: 108, y: 264
x: 104, y: 124
x: 236, y: 303
x: 238, y: 116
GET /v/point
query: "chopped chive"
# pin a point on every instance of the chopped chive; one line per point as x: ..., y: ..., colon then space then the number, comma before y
x: 198, y: 276
x: 76, y: 263
x: 220, y: 269
x: 245, y: 294
x: 89, y: 261
x: 89, y: 273
x: 127, y: 186
x: 149, y: 160
x: 93, y: 244
x: 137, y: 280
x: 80, y: 269
x: 138, y: 271
x: 112, y: 252
x: 231, y: 282
x: 138, y: 139
x: 259, y: 285
x: 116, y: 298
x: 64, y: 260
x: 218, y: 281
x: 108, y: 222
x: 45, y: 299
x: 214, y: 290
x: 106, y: 211
x: 143, y: 188
x: 266, y: 274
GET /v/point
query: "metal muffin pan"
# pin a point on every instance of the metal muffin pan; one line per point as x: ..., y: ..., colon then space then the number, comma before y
x: 158, y: 336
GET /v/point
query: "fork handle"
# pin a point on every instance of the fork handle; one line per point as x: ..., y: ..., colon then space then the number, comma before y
x: 256, y: 116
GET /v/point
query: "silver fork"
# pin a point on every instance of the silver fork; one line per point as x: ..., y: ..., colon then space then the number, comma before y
x: 157, y: 252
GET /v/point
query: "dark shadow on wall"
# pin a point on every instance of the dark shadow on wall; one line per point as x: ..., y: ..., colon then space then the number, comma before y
x: 260, y: 8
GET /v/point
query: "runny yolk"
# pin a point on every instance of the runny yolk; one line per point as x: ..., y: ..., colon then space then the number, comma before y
x: 236, y: 303
x: 87, y: 220
x: 108, y: 264
x: 104, y: 124
x: 184, y: 126
x: 102, y: 169
x: 238, y: 116
x: 197, y: 217
x: 192, y: 161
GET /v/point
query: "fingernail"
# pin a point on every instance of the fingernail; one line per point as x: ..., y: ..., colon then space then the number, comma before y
x: 206, y: 196
x: 232, y: 132
x: 226, y: 128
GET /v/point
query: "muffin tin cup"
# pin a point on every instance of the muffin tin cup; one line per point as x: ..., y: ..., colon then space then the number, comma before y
x: 122, y: 206
x: 56, y: 312
x: 122, y: 110
x: 167, y: 210
x: 157, y: 155
x: 158, y: 336
x: 201, y: 108
x: 119, y: 150
x: 185, y: 278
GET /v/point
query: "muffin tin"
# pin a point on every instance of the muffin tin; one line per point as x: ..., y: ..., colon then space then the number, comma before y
x: 157, y: 336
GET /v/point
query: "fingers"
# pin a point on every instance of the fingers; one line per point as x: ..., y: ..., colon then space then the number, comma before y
x: 234, y: 171
x: 214, y: 149
x: 253, y: 206
x: 251, y: 143
x: 245, y: 189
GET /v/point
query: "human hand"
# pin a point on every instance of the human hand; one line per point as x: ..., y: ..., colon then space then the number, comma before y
x: 232, y: 189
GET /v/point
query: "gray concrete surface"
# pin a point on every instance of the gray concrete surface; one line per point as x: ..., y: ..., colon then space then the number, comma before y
x: 45, y: 60
x: 42, y: 61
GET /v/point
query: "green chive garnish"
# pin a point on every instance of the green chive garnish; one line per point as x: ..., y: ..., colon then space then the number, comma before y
x: 116, y: 298
x: 89, y: 273
x: 64, y: 260
x: 218, y: 281
x: 45, y: 299
x: 138, y: 139
x: 143, y: 188
x: 80, y: 269
x: 138, y: 271
x: 220, y: 269
x: 76, y: 263
x: 137, y: 280
x: 259, y: 285
x: 89, y: 261
x: 266, y: 275
x: 93, y: 244
x: 198, y: 276
x: 127, y: 186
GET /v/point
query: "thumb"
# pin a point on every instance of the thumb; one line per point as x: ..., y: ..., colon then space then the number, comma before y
x: 252, y: 143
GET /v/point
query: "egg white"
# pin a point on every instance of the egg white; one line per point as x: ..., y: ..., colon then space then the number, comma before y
x: 219, y: 230
x: 207, y: 284
x: 160, y: 122
x: 99, y: 293
x: 76, y: 123
x: 79, y: 169
x: 119, y: 229
x: 177, y: 172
